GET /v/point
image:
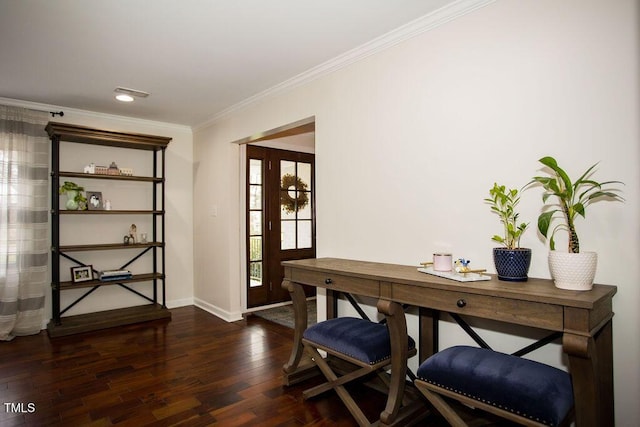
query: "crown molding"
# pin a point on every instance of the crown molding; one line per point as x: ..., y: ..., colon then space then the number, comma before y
x: 91, y: 114
x: 418, y: 26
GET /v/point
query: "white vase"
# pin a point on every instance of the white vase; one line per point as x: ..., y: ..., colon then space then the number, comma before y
x: 573, y: 271
x: 71, y: 204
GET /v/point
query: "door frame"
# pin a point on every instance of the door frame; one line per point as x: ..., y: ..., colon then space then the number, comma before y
x: 303, y: 126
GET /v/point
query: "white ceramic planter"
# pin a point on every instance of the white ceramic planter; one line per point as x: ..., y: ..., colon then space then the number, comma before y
x: 573, y: 271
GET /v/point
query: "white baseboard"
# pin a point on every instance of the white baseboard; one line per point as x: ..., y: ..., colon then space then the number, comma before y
x: 217, y: 311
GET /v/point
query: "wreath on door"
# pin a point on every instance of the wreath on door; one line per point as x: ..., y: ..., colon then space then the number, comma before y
x: 300, y: 198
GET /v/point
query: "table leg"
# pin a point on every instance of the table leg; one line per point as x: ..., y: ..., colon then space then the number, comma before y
x: 427, y: 333
x: 591, y: 367
x: 300, y: 324
x: 398, y: 334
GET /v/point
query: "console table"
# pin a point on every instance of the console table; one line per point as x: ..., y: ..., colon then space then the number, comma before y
x: 583, y: 318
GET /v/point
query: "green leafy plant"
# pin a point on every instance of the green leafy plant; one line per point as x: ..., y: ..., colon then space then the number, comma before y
x: 572, y: 200
x: 503, y: 202
x: 72, y: 186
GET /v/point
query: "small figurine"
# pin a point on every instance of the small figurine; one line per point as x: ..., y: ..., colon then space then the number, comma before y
x: 462, y: 265
x: 107, y: 205
x: 90, y: 168
x: 113, y: 169
x: 133, y: 230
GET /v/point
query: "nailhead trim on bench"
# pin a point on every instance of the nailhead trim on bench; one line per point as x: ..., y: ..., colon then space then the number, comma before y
x: 524, y: 387
x: 489, y: 403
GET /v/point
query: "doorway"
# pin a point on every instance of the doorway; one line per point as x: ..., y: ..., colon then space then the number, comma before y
x: 280, y: 219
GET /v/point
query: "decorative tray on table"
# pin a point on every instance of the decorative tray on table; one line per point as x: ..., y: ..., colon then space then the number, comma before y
x: 469, y: 276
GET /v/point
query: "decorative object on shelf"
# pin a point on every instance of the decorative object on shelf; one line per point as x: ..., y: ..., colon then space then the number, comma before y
x: 126, y: 171
x: 94, y: 200
x: 101, y: 170
x: 111, y: 275
x: 294, y: 194
x: 133, y: 234
x: 572, y: 200
x: 107, y: 205
x: 90, y: 168
x: 511, y: 261
x: 143, y: 237
x: 81, y: 274
x: 75, y: 198
x: 113, y: 169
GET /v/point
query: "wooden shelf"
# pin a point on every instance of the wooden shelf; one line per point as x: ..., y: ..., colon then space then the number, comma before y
x: 86, y: 135
x: 152, y: 282
x: 107, y: 319
x: 113, y: 177
x: 96, y: 282
x: 108, y: 246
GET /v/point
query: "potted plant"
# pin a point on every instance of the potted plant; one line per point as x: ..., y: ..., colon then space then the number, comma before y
x: 511, y: 261
x: 572, y: 269
x: 75, y: 198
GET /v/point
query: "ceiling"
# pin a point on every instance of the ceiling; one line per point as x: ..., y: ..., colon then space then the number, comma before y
x: 197, y: 58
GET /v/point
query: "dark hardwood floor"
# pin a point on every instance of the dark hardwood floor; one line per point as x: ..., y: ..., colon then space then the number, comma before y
x: 195, y: 370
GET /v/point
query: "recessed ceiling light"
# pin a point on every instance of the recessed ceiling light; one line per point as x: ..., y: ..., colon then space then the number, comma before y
x: 127, y: 95
x: 124, y: 98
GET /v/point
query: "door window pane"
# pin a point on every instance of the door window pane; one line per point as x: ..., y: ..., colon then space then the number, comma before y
x: 305, y: 212
x: 255, y: 274
x: 255, y: 223
x: 255, y: 197
x: 255, y: 171
x: 304, y: 173
x: 287, y: 168
x: 304, y: 234
x: 255, y: 248
x: 288, y: 234
x: 288, y: 204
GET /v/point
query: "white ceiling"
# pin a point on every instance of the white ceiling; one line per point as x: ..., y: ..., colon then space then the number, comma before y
x: 197, y: 58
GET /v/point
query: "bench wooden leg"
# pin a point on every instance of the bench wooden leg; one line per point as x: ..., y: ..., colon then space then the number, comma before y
x: 441, y: 406
x: 336, y: 383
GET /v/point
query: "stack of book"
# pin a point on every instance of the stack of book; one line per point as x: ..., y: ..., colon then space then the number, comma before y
x: 110, y: 275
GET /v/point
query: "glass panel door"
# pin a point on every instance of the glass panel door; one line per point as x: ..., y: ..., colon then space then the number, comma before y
x: 280, y: 219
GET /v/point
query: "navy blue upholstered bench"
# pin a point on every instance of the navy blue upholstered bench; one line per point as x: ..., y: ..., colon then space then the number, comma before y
x: 361, y: 342
x: 521, y: 390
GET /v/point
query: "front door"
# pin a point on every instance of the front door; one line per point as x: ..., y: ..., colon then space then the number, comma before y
x: 280, y: 219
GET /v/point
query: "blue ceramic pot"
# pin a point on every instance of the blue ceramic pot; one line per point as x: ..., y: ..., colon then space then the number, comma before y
x: 512, y: 264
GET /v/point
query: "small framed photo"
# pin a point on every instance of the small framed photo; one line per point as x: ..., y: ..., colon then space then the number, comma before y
x: 81, y: 274
x: 94, y: 201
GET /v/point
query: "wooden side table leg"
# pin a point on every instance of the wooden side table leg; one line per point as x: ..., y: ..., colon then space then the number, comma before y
x: 397, y: 324
x: 300, y: 324
x: 591, y: 366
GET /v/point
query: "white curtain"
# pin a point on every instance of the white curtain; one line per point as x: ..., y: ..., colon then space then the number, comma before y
x: 24, y: 220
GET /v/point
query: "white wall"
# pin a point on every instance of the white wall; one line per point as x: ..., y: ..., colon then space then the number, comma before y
x: 409, y: 141
x: 178, y: 205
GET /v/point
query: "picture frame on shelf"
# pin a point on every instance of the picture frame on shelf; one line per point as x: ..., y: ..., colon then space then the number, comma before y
x: 83, y: 273
x: 94, y: 201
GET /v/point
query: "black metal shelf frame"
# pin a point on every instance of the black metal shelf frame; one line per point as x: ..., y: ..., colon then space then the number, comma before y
x: 157, y: 146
